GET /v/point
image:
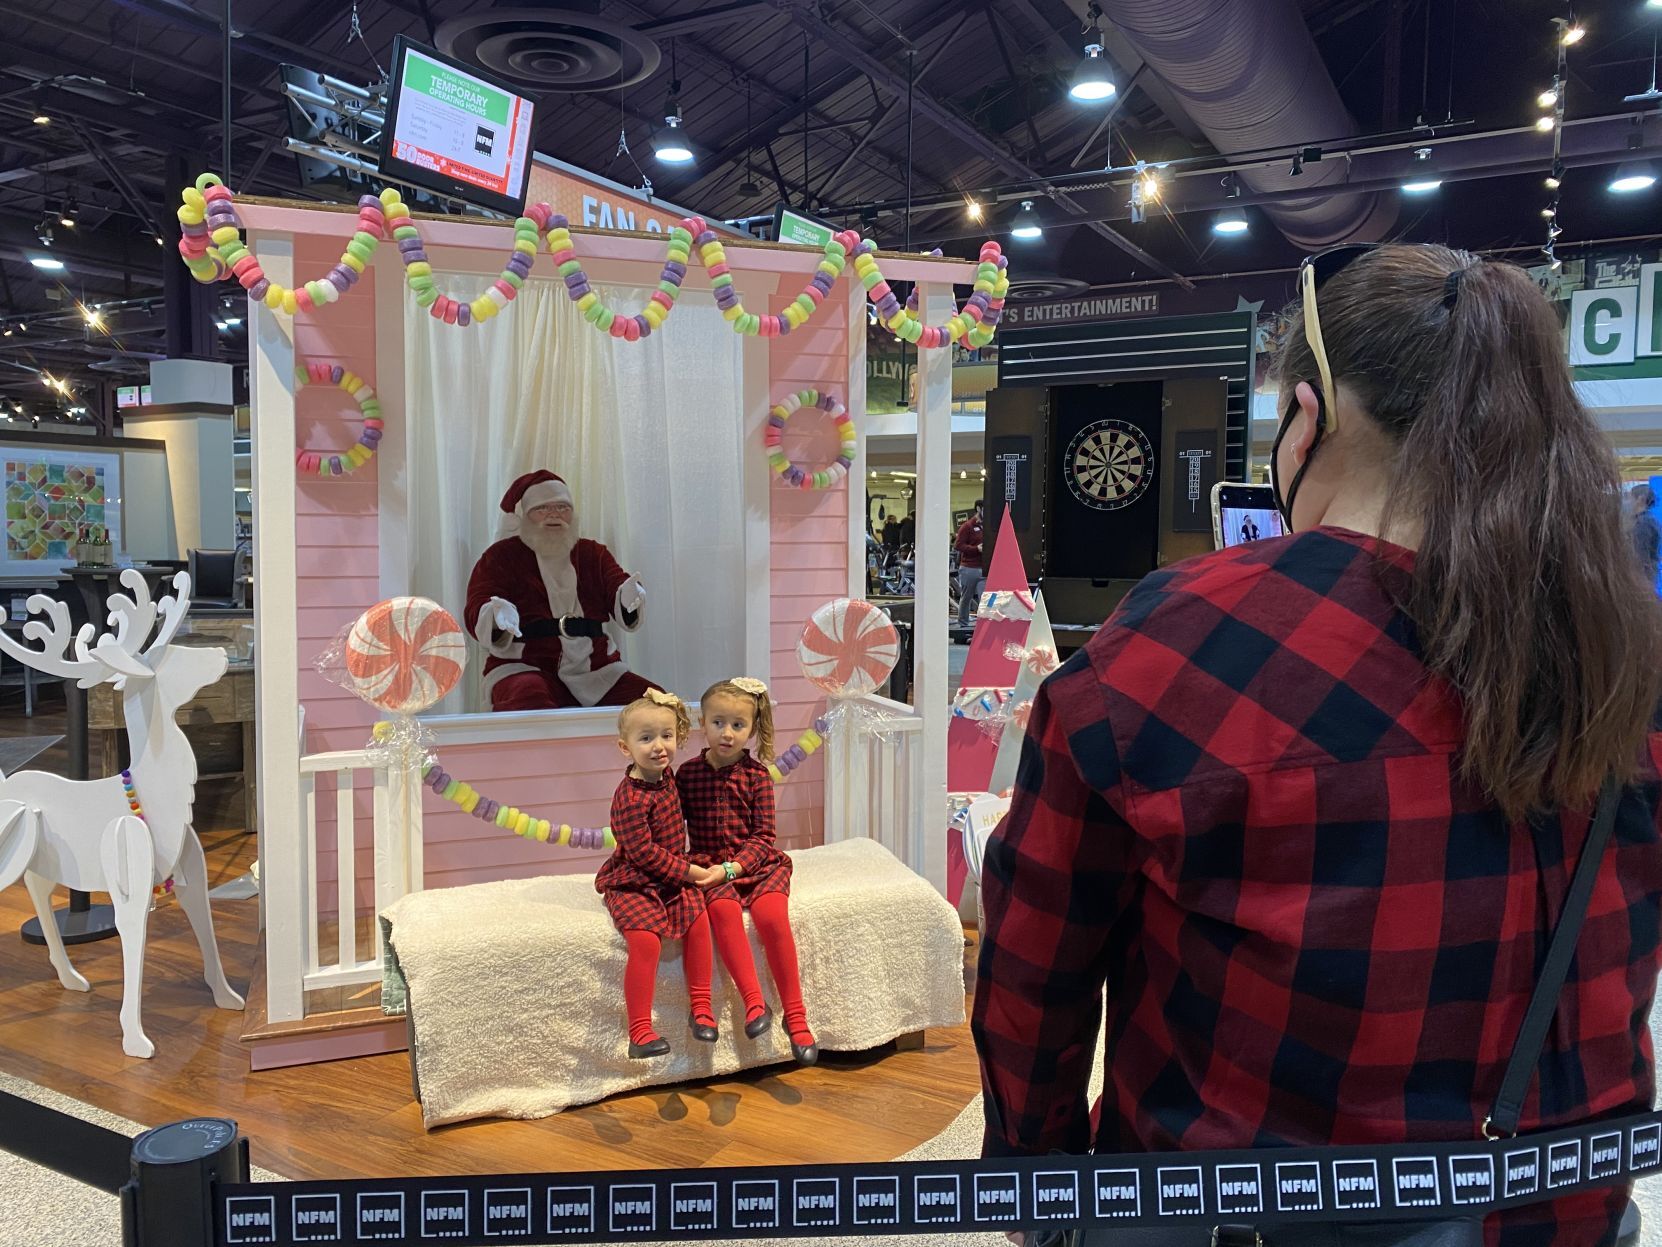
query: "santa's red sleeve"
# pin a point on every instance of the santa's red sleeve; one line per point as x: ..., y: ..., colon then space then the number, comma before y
x: 612, y: 578
x: 486, y: 582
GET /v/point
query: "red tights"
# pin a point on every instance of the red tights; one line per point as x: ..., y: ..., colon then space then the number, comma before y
x: 771, y: 914
x: 640, y: 975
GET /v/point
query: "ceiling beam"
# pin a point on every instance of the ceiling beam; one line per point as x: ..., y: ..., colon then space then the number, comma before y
x: 944, y: 118
x: 668, y: 27
x: 273, y: 48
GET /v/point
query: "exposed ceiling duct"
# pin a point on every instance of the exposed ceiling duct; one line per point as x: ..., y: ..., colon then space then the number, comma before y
x: 1248, y: 74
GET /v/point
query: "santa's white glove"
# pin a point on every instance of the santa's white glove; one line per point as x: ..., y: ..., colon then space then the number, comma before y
x: 505, y: 615
x: 632, y: 596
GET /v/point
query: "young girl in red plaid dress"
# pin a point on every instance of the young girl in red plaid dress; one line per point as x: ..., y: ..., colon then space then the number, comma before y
x: 650, y: 888
x: 728, y: 798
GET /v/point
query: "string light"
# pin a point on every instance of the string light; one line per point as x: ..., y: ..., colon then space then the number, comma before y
x: 973, y: 207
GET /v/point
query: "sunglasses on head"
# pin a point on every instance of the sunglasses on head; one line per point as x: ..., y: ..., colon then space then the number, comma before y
x: 1313, y: 274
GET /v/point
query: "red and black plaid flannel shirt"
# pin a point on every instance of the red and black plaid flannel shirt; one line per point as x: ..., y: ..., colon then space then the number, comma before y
x: 731, y: 818
x: 1239, y: 811
x: 644, y: 881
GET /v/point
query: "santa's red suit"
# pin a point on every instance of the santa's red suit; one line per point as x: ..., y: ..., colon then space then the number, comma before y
x: 537, y: 601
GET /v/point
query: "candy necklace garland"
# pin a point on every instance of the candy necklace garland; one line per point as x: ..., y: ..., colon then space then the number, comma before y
x: 127, y: 787
x: 794, y: 474
x: 691, y: 232
x: 368, y: 404
x: 544, y: 831
x: 987, y: 301
x: 418, y: 272
x: 212, y: 247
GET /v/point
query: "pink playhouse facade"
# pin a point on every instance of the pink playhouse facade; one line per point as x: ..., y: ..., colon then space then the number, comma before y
x: 329, y: 548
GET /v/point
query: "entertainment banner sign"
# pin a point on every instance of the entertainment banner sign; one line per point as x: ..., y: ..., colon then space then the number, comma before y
x: 1024, y: 315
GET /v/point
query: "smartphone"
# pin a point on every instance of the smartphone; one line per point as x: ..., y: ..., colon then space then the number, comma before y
x: 1242, y: 513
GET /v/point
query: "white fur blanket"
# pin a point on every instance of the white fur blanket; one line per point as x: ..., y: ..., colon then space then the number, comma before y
x: 516, y: 988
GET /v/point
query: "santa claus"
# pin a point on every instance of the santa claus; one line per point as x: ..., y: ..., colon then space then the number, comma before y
x: 539, y: 601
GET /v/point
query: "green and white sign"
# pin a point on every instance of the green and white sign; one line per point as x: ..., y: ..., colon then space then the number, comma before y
x: 792, y: 227
x: 465, y: 94
x: 1617, y: 324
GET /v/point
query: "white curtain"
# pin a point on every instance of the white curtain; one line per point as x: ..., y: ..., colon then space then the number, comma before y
x: 649, y: 435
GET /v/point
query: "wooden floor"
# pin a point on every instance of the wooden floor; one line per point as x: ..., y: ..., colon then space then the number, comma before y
x: 357, y: 1118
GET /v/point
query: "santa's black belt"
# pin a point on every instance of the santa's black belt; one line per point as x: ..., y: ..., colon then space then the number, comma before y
x: 569, y: 626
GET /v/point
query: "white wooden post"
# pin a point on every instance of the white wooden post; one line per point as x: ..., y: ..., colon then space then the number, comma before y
x: 858, y: 508
x: 929, y: 621
x: 392, y: 471
x: 757, y: 483
x: 283, y: 869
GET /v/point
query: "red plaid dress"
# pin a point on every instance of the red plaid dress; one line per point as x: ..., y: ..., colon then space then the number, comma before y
x: 644, y: 881
x: 1240, y: 812
x: 730, y: 818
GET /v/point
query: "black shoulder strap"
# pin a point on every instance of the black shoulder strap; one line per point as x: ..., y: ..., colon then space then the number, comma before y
x: 1526, y: 1052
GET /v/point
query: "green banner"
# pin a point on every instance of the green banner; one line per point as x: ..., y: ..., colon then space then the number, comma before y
x: 801, y: 230
x: 444, y: 85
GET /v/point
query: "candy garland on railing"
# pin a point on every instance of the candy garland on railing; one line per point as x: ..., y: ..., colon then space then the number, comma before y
x: 212, y: 247
x: 987, y: 300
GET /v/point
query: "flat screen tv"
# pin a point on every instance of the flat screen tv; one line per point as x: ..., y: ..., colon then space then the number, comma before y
x: 453, y: 129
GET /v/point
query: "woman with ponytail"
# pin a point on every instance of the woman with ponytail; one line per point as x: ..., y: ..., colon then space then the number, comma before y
x: 1307, y: 810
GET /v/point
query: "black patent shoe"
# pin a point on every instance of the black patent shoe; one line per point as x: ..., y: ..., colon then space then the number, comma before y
x: 701, y: 1031
x: 641, y: 1051
x: 805, y: 1054
x: 758, y: 1025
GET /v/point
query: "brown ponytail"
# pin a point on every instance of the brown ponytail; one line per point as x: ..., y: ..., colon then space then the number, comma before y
x: 1526, y: 592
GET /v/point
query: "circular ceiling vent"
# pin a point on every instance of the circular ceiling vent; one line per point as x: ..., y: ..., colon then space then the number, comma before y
x: 551, y: 49
x: 1046, y: 287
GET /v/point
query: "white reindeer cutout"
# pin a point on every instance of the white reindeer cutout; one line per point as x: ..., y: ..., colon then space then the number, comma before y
x: 83, y: 833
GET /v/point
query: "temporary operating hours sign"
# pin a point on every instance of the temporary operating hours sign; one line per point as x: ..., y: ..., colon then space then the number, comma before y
x: 460, y: 126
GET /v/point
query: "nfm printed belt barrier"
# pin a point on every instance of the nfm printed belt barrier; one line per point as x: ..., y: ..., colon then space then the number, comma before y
x: 186, y: 1185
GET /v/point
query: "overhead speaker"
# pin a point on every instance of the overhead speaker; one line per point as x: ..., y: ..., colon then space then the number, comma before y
x: 1045, y: 287
x: 551, y: 50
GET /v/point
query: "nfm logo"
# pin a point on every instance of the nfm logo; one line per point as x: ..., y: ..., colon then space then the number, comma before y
x: 1415, y: 1179
x: 1355, y: 1184
x: 381, y: 1214
x: 1056, y: 1196
x: 1644, y: 1147
x: 1119, y: 1193
x: 633, y: 1208
x: 1604, y: 1156
x: 814, y: 1201
x: 1179, y: 1191
x: 1471, y: 1179
x: 1522, y: 1172
x: 1564, y: 1163
x: 1298, y: 1186
x: 251, y: 1219
x: 692, y: 1206
x: 997, y: 1196
x: 443, y: 1214
x: 508, y: 1213
x: 935, y: 1199
x: 316, y: 1219
x: 876, y: 1201
x: 755, y: 1205
x: 571, y: 1210
x: 1240, y: 1188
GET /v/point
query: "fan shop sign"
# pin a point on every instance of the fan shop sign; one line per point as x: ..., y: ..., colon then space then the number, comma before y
x: 1617, y: 324
x: 590, y: 201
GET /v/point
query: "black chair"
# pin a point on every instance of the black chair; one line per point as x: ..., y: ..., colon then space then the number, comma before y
x: 213, y: 578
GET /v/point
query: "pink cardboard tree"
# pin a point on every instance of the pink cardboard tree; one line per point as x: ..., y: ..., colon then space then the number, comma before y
x: 1002, y: 619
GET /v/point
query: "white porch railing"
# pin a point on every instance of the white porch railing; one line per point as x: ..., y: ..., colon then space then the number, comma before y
x: 874, y: 787
x: 395, y: 814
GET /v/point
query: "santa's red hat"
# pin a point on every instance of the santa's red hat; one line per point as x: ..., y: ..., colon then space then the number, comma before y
x: 535, y: 489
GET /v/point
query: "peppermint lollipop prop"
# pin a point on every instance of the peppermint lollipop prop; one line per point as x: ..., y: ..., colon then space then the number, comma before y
x: 401, y: 656
x: 848, y: 649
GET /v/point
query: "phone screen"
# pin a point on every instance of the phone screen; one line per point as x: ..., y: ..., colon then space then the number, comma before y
x: 1246, y: 513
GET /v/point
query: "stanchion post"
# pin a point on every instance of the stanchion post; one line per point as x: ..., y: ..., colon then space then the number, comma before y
x: 169, y: 1200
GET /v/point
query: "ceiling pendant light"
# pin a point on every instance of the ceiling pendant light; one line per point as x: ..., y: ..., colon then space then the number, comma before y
x: 1423, y: 186
x: 1027, y: 225
x: 671, y: 144
x: 1231, y: 221
x: 1633, y: 175
x: 1092, y: 83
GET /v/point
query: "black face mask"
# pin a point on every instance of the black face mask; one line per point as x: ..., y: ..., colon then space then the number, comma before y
x: 1284, y: 503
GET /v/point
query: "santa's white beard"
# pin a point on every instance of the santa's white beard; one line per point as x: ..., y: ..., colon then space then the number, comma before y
x: 553, y: 547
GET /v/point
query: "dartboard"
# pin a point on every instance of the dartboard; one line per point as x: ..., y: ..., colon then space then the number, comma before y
x: 1109, y: 465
